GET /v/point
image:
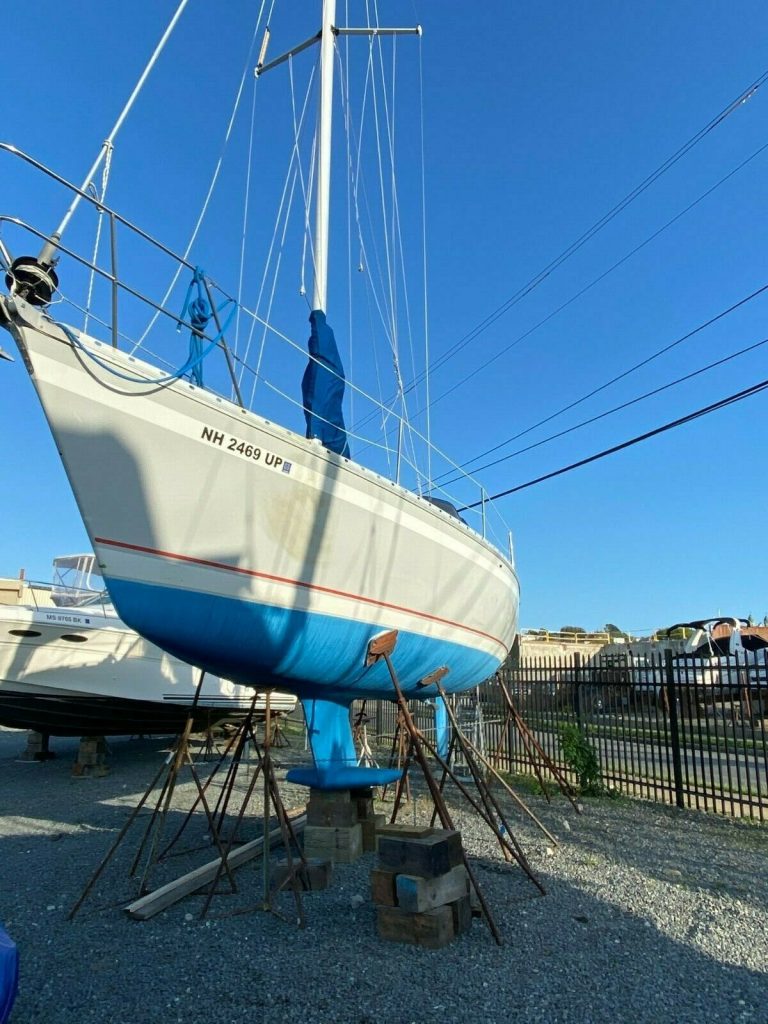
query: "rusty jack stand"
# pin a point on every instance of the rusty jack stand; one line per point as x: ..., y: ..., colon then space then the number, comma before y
x: 178, y: 758
x: 381, y: 647
x: 272, y: 798
x: 531, y: 744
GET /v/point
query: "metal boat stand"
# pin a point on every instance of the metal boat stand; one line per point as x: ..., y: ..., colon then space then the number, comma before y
x: 296, y: 863
x: 419, y: 746
x: 179, y: 758
x: 532, y: 747
x: 360, y: 722
x: 399, y: 756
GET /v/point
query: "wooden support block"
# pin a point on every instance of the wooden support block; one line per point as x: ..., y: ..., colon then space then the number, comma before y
x: 330, y: 796
x: 428, y: 856
x: 312, y: 876
x: 432, y: 929
x: 331, y: 810
x: 91, y: 757
x: 417, y: 894
x: 462, y: 914
x: 370, y: 829
x: 361, y: 791
x: 341, y: 845
x: 383, y: 891
x: 364, y: 807
x: 399, y: 831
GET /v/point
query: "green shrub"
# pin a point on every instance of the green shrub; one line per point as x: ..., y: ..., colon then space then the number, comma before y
x: 581, y: 758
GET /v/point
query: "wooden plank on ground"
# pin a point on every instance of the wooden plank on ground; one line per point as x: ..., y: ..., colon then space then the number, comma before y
x: 151, y: 904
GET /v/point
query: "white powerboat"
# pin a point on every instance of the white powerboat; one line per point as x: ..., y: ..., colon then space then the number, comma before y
x: 69, y: 666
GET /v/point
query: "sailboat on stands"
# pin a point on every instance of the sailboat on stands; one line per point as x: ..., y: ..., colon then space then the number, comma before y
x: 229, y: 540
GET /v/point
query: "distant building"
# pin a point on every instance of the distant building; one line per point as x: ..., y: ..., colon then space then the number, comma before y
x: 21, y: 591
x: 544, y: 643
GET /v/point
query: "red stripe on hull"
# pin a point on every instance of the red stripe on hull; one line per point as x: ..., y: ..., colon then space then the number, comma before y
x: 297, y: 583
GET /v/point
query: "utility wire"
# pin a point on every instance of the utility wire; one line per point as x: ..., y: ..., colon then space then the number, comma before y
x: 535, y: 281
x: 721, y: 404
x: 616, y: 408
x: 607, y: 384
x: 595, y: 281
x: 575, y: 246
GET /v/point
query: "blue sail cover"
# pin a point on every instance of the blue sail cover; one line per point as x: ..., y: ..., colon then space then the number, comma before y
x: 322, y: 387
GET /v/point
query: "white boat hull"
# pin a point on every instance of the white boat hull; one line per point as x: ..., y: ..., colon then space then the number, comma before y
x: 242, y: 547
x: 69, y: 672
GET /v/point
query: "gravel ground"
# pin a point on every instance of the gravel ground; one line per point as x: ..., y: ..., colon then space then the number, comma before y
x: 651, y: 914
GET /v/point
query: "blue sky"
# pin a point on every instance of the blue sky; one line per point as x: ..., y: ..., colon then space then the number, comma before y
x: 539, y: 119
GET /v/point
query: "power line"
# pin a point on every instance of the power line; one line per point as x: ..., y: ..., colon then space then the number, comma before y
x: 616, y: 408
x: 747, y: 94
x: 625, y: 373
x: 595, y: 281
x: 537, y: 279
x: 721, y: 404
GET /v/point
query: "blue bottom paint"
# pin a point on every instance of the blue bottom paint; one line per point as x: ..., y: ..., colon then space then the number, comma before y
x: 9, y: 975
x: 311, y: 655
x: 442, y: 728
x: 318, y: 657
x: 330, y: 737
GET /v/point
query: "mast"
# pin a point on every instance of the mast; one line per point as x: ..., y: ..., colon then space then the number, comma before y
x: 322, y: 199
x: 326, y: 37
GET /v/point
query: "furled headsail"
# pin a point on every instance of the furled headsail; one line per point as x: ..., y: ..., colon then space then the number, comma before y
x: 322, y: 387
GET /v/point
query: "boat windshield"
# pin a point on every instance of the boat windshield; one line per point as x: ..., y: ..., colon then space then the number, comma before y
x: 77, y: 582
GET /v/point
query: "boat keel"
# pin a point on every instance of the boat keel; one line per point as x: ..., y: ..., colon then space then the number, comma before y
x: 333, y: 749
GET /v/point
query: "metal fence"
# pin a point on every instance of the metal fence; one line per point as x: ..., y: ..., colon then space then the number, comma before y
x: 686, y: 730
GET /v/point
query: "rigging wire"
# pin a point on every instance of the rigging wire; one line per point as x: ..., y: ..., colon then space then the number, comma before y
x: 625, y: 373
x: 384, y: 271
x: 543, y: 274
x: 427, y: 379
x: 283, y: 215
x: 344, y: 78
x: 100, y: 196
x: 598, y: 279
x: 306, y: 186
x: 738, y: 396
x: 212, y: 185
x: 617, y: 408
x: 246, y: 206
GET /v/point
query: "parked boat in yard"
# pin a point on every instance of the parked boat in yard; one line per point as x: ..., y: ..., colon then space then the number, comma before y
x: 69, y: 666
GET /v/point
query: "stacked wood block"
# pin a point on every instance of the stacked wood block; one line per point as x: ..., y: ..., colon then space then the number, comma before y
x: 333, y: 831
x: 370, y: 822
x: 91, y: 757
x: 421, y: 887
x: 37, y: 748
x: 341, y: 825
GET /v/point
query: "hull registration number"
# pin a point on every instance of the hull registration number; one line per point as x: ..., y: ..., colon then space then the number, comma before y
x: 245, y: 450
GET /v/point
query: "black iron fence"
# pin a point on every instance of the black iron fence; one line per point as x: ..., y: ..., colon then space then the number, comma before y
x: 686, y: 730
